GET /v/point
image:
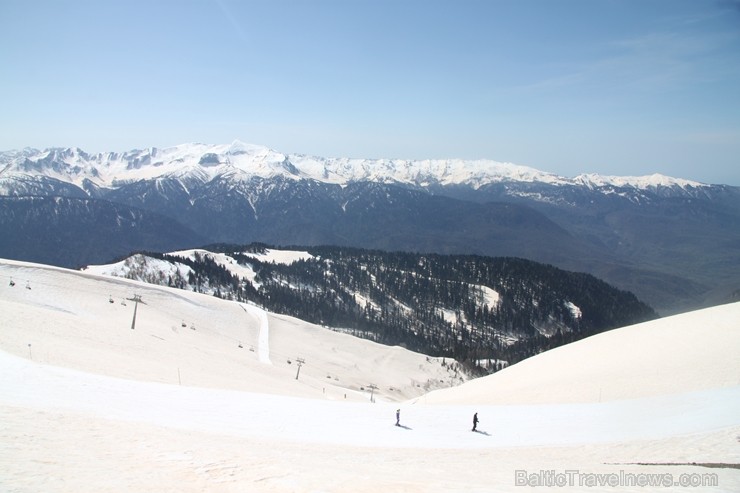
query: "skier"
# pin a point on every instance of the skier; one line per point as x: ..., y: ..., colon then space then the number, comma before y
x: 398, y: 417
x: 475, y: 421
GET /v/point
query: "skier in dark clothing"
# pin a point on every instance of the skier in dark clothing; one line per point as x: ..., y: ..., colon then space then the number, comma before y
x: 398, y: 417
x: 475, y: 421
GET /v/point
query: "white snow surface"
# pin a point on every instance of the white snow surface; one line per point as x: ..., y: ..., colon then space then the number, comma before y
x: 89, y: 405
x: 279, y: 256
x: 129, y: 267
x: 239, y: 161
x: 655, y: 180
x: 125, y: 267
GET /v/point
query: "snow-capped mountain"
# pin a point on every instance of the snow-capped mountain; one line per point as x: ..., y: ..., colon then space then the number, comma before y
x: 669, y: 240
x: 240, y: 161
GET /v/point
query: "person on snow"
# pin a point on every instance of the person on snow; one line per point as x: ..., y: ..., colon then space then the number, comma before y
x: 475, y: 421
x: 398, y: 417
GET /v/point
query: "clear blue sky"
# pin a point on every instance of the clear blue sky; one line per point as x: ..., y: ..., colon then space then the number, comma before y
x: 620, y: 87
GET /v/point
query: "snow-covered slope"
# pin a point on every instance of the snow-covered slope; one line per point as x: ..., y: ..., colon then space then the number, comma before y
x: 239, y: 161
x: 694, y: 351
x: 194, y: 339
x: 88, y: 405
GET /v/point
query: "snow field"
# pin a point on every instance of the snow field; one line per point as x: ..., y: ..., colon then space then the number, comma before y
x: 683, y: 353
x: 94, y: 406
x: 68, y: 320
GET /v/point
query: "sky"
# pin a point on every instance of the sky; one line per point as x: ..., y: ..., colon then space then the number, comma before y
x: 615, y: 87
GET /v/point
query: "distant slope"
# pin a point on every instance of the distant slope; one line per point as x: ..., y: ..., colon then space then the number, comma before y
x: 689, y: 352
x: 680, y: 243
x: 74, y: 231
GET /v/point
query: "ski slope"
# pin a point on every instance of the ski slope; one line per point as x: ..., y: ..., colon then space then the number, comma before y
x: 690, y: 352
x: 89, y: 404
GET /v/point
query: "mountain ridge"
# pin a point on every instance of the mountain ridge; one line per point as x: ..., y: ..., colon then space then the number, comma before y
x: 106, y: 168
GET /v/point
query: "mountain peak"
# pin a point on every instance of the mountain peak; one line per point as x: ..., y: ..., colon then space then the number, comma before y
x: 656, y: 180
x: 239, y: 147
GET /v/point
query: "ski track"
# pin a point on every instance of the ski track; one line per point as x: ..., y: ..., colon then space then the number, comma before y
x: 263, y: 341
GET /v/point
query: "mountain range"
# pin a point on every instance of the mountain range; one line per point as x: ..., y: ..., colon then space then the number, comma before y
x: 673, y: 242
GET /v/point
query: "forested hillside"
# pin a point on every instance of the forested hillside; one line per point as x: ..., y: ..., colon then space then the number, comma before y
x: 481, y: 311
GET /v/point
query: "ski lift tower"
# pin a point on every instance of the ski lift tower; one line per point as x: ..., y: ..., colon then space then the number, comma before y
x: 300, y: 362
x: 372, y: 388
x: 136, y: 299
